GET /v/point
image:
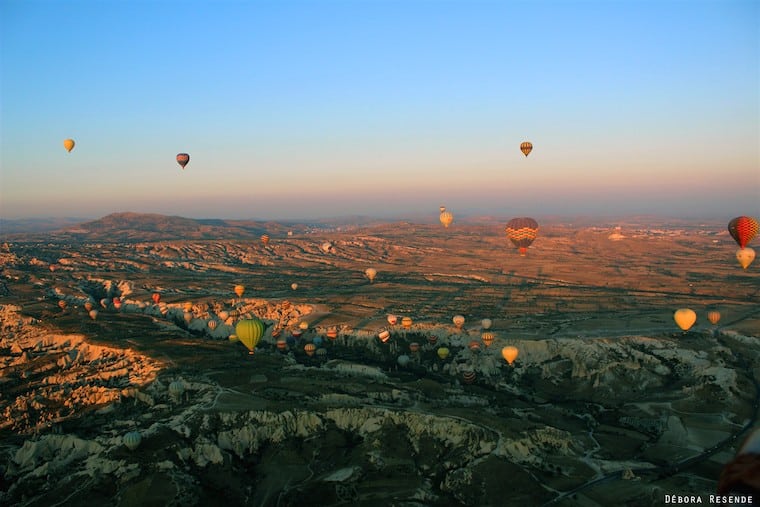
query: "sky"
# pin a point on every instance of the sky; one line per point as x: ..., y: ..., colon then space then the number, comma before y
x: 319, y: 108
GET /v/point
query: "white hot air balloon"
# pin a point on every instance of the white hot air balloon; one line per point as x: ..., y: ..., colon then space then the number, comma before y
x: 458, y: 321
x: 486, y: 323
x: 294, y: 286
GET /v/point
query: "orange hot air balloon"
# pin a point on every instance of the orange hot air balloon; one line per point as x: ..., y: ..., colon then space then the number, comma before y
x: 685, y: 318
x: 526, y: 147
x: 487, y: 338
x: 406, y: 322
x: 69, y: 144
x: 265, y: 239
x: 384, y: 335
x: 332, y: 333
x: 183, y: 159
x: 310, y: 348
x: 62, y: 304
x: 522, y: 231
x: 743, y: 229
x: 474, y: 345
x: 446, y: 218
x: 239, y: 290
x: 509, y: 353
x: 745, y: 256
x: 187, y: 306
x: 156, y: 297
x: 713, y: 316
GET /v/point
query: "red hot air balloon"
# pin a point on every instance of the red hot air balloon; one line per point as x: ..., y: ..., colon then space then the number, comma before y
x: 183, y: 159
x: 743, y: 230
x: 522, y: 231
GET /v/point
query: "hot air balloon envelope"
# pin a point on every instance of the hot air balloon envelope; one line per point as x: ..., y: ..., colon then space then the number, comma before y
x: 526, y: 147
x: 69, y: 145
x: 183, y: 159
x: 522, y: 231
x: 743, y: 229
x: 249, y: 332
x: 685, y: 318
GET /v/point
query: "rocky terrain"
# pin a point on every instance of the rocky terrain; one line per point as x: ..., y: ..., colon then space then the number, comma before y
x: 607, y: 402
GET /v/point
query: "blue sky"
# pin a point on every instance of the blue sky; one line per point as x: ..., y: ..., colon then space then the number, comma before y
x: 296, y: 109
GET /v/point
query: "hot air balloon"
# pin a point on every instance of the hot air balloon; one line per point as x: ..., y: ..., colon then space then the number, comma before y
x: 156, y: 297
x: 713, y: 316
x: 310, y: 348
x: 442, y: 208
x: 61, y: 304
x: 406, y: 322
x: 526, y: 147
x: 474, y: 345
x: 294, y: 286
x: 69, y: 144
x: 212, y: 324
x: 458, y: 321
x: 745, y: 256
x: 392, y: 319
x: 522, y: 231
x: 88, y: 305
x: 188, y: 316
x: 685, y: 318
x: 371, y: 274
x: 487, y: 338
x: 265, y: 239
x: 183, y: 159
x: 239, y: 290
x: 509, y: 353
x: 332, y: 333
x: 93, y: 314
x: 303, y: 325
x: 469, y: 376
x: 282, y: 345
x: 743, y: 229
x: 446, y: 218
x: 486, y: 323
x: 403, y: 360
x: 250, y: 331
x: 384, y: 335
x: 443, y: 352
x: 176, y: 389
x: 132, y: 440
x: 117, y: 303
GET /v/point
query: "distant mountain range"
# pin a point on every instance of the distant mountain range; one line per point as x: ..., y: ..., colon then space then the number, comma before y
x: 134, y: 227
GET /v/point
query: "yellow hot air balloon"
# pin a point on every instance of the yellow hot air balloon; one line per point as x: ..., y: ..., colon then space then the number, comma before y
x: 371, y: 274
x: 509, y: 353
x: 443, y: 352
x: 685, y: 318
x: 446, y: 218
x: 249, y: 332
x: 713, y: 316
x: 239, y: 290
x: 69, y: 144
x: 745, y: 256
x: 303, y: 325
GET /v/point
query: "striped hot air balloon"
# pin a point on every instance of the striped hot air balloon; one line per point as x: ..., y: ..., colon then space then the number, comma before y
x: 487, y: 338
x: 309, y: 348
x: 132, y: 440
x: 526, y: 147
x: 265, y: 239
x: 469, y: 376
x: 384, y: 335
x: 522, y: 231
x: 713, y: 316
x: 743, y: 229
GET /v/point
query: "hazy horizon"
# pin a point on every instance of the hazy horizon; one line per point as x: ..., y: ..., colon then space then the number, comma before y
x: 322, y: 109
